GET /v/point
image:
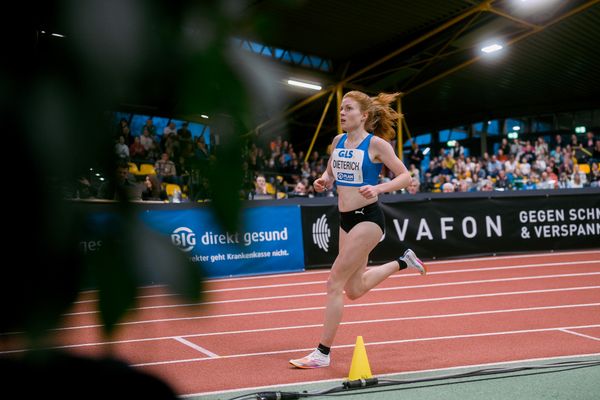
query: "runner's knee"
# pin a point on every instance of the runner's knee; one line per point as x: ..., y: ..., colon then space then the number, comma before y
x: 334, y: 286
x: 354, y: 294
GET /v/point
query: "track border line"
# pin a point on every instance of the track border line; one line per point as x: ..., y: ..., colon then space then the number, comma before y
x: 376, y: 289
x: 242, y: 314
x: 380, y: 343
x: 256, y: 388
x: 580, y: 334
x: 182, y: 338
x: 195, y: 346
x: 326, y: 270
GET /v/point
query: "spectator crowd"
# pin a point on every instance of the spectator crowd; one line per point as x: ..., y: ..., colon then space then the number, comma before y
x: 277, y: 170
x: 172, y: 158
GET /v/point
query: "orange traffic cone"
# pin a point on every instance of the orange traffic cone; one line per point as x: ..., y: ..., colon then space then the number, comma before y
x: 359, y: 369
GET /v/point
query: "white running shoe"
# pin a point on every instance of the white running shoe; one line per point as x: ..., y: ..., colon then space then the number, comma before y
x: 316, y: 359
x: 413, y: 261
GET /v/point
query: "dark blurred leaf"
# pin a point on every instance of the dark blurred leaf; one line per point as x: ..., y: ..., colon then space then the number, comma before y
x: 168, y: 58
x: 165, y: 58
x: 157, y: 261
x: 42, y: 279
x: 112, y: 270
x: 225, y: 178
x: 63, y: 376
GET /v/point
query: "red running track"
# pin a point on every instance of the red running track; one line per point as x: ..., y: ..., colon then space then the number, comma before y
x: 464, y: 312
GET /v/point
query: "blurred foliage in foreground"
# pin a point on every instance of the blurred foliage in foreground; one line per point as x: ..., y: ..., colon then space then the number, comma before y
x: 174, y: 57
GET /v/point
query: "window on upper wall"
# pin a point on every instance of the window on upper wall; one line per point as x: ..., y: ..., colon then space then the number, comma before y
x: 596, y: 118
x: 477, y: 129
x: 583, y: 118
x: 139, y: 120
x: 122, y: 115
x: 286, y: 55
x: 424, y: 139
x: 564, y: 121
x: 452, y: 134
x: 444, y: 135
x: 137, y: 124
x: 515, y: 125
x: 493, y: 128
x: 421, y: 140
x: 542, y: 123
x: 460, y: 133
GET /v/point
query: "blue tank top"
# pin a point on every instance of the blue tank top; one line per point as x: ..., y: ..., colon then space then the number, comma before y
x: 353, y: 167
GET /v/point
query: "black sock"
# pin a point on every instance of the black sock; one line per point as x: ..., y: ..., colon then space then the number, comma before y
x: 402, y: 263
x: 324, y: 349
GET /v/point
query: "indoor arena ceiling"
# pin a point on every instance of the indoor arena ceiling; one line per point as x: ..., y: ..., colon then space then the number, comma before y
x: 428, y: 50
x: 431, y: 51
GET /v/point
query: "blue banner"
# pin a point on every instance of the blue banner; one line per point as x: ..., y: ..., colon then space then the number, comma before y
x: 270, y: 242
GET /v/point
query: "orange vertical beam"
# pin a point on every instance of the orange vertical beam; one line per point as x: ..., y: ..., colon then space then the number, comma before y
x: 338, y: 92
x: 312, y: 143
x: 399, y: 125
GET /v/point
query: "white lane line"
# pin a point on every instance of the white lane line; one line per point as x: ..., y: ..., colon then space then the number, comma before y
x: 181, y: 338
x: 398, y: 375
x: 195, y: 347
x: 323, y: 293
x: 563, y: 253
x: 580, y: 334
x: 140, y: 287
x: 326, y: 271
x: 322, y: 282
x: 244, y: 300
x: 382, y: 343
x: 217, y: 316
x: 253, y: 313
x: 516, y: 266
x: 432, y: 262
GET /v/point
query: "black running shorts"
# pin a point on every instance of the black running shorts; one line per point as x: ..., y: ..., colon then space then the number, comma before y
x: 372, y: 213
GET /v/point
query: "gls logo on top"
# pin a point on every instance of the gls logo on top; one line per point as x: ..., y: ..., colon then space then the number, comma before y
x: 184, y: 238
x: 346, y: 153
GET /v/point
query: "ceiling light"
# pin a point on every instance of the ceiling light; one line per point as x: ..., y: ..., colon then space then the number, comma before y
x: 532, y: 6
x: 492, y: 48
x: 204, y: 116
x: 304, y: 84
x: 513, y: 135
x: 536, y: 2
x: 516, y: 128
x: 426, y: 151
x: 57, y: 35
x: 580, y: 129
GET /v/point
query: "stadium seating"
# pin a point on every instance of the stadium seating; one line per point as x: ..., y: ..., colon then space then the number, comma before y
x: 171, y: 187
x: 147, y: 169
x: 585, y: 168
x: 133, y: 169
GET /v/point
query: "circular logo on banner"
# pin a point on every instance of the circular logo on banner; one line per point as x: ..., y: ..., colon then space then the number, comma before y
x: 184, y: 238
x: 321, y: 233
